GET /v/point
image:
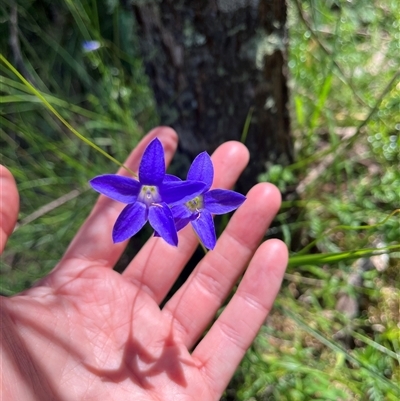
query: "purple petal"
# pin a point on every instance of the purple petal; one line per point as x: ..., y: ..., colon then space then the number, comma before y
x: 180, y: 191
x: 152, y: 165
x: 179, y: 224
x: 204, y: 227
x: 220, y: 201
x: 182, y: 216
x: 202, y: 170
x: 182, y: 223
x: 181, y: 211
x: 122, y: 189
x: 170, y: 177
x: 161, y: 219
x: 129, y: 222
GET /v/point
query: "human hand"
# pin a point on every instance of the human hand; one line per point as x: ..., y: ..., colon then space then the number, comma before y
x: 86, y: 332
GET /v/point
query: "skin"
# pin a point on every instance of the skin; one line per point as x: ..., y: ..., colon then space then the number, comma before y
x: 86, y: 332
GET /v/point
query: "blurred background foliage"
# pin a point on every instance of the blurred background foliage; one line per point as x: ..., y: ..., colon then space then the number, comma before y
x: 334, y: 332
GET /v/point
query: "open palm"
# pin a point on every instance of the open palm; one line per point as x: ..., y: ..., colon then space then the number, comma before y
x: 86, y: 332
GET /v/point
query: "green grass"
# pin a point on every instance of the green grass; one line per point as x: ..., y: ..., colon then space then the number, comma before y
x: 343, y: 63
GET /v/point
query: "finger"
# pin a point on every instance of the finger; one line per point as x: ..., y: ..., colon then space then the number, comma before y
x: 195, y: 304
x: 223, y: 347
x: 93, y: 242
x: 9, y: 205
x: 158, y: 264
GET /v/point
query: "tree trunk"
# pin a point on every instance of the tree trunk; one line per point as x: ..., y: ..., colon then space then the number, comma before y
x: 214, y: 63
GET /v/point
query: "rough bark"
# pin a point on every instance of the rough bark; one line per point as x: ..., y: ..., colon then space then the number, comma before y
x: 213, y: 63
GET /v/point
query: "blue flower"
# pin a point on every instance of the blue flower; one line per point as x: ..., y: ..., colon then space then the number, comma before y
x: 90, y: 45
x: 148, y: 198
x: 198, y: 210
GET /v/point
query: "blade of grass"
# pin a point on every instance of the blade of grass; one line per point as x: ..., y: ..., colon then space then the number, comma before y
x: 323, y: 96
x: 246, y: 125
x: 335, y: 257
x: 375, y: 345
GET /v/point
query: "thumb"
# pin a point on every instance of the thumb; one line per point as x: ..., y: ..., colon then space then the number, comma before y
x: 9, y: 205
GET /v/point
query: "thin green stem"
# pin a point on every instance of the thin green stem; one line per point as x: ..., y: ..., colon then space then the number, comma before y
x: 59, y: 117
x: 335, y: 257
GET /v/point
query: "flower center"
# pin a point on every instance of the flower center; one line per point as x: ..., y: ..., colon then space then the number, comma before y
x: 149, y: 195
x: 195, y: 204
